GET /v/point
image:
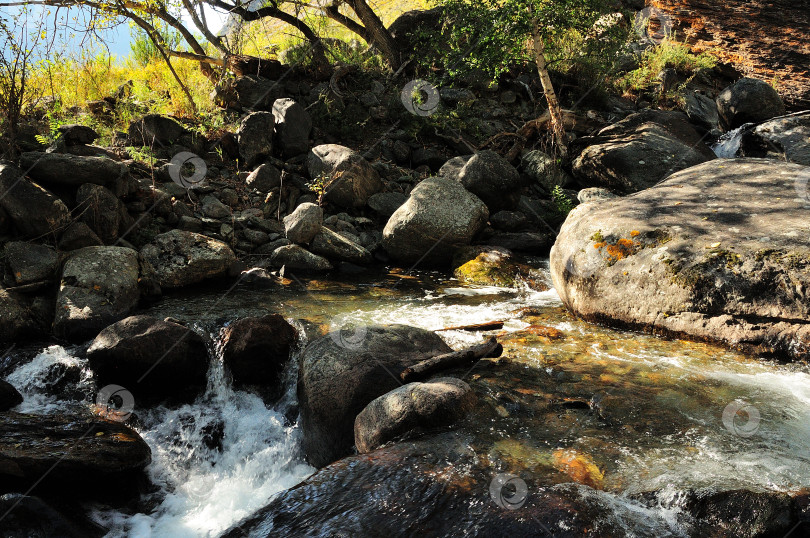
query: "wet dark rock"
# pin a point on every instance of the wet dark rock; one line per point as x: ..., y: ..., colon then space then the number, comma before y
x: 78, y: 453
x: 264, y: 178
x: 639, y: 151
x: 410, y: 489
x: 411, y: 409
x: 151, y: 358
x: 101, y: 210
x: 786, y: 138
x: 717, y: 252
x: 182, y: 258
x: 255, y: 350
x: 303, y: 224
x: 78, y: 235
x: 351, y: 180
x: 342, y: 372
x: 30, y: 517
x: 67, y: 169
x: 439, y: 216
x: 29, y: 262
x: 9, y: 396
x: 743, y: 514
x: 154, y: 130
x: 99, y: 286
x: 748, y: 100
x: 334, y: 245
x: 255, y: 137
x: 296, y: 257
x: 293, y: 125
x: 33, y: 210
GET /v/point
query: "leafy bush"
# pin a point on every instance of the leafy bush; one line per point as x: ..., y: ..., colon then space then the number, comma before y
x: 668, y: 54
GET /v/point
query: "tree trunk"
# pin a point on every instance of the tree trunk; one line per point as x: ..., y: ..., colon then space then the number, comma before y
x: 554, y: 108
x: 377, y: 33
x: 456, y: 359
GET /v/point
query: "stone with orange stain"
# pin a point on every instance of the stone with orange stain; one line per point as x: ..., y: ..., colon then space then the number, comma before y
x: 579, y: 467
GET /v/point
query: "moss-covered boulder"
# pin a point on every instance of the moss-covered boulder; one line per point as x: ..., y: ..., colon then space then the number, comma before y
x: 496, y: 266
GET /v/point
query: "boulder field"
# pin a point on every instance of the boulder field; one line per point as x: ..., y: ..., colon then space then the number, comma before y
x: 717, y: 252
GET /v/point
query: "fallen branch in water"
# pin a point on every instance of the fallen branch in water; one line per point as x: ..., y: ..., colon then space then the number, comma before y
x: 475, y: 327
x: 466, y: 357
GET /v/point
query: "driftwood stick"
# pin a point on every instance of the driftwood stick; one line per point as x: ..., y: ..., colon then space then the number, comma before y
x: 465, y: 357
x: 489, y: 325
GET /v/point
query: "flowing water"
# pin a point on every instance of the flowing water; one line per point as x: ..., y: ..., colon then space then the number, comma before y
x: 729, y: 143
x: 617, y: 414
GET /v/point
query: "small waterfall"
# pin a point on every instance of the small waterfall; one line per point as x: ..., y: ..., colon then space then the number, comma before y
x: 728, y: 145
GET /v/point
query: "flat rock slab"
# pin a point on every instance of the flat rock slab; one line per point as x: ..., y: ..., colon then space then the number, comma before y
x: 78, y: 451
x: 717, y: 252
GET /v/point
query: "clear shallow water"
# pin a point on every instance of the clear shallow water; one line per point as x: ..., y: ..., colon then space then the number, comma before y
x: 618, y: 414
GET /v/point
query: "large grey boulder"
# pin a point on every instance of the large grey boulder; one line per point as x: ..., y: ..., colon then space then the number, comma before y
x: 336, y: 246
x: 786, y: 138
x: 342, y: 372
x: 748, y: 100
x: 412, y: 408
x: 350, y: 179
x: 154, y: 130
x: 639, y: 151
x: 67, y: 169
x: 101, y: 210
x: 717, y: 252
x: 213, y: 208
x: 33, y: 210
x: 439, y: 216
x: 304, y: 223
x: 182, y: 258
x: 255, y: 137
x: 385, y: 203
x: 297, y: 257
x: 99, y: 286
x: 148, y: 356
x: 490, y: 177
x: 293, y: 125
x: 29, y: 262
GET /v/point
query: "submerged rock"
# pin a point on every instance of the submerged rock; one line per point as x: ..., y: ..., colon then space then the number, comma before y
x: 716, y: 252
x: 182, y: 258
x: 639, y: 151
x: 342, y: 372
x: 79, y: 453
x: 99, y: 286
x: 30, y: 517
x: 439, y: 217
x: 151, y: 358
x: 412, y: 408
x: 255, y: 350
